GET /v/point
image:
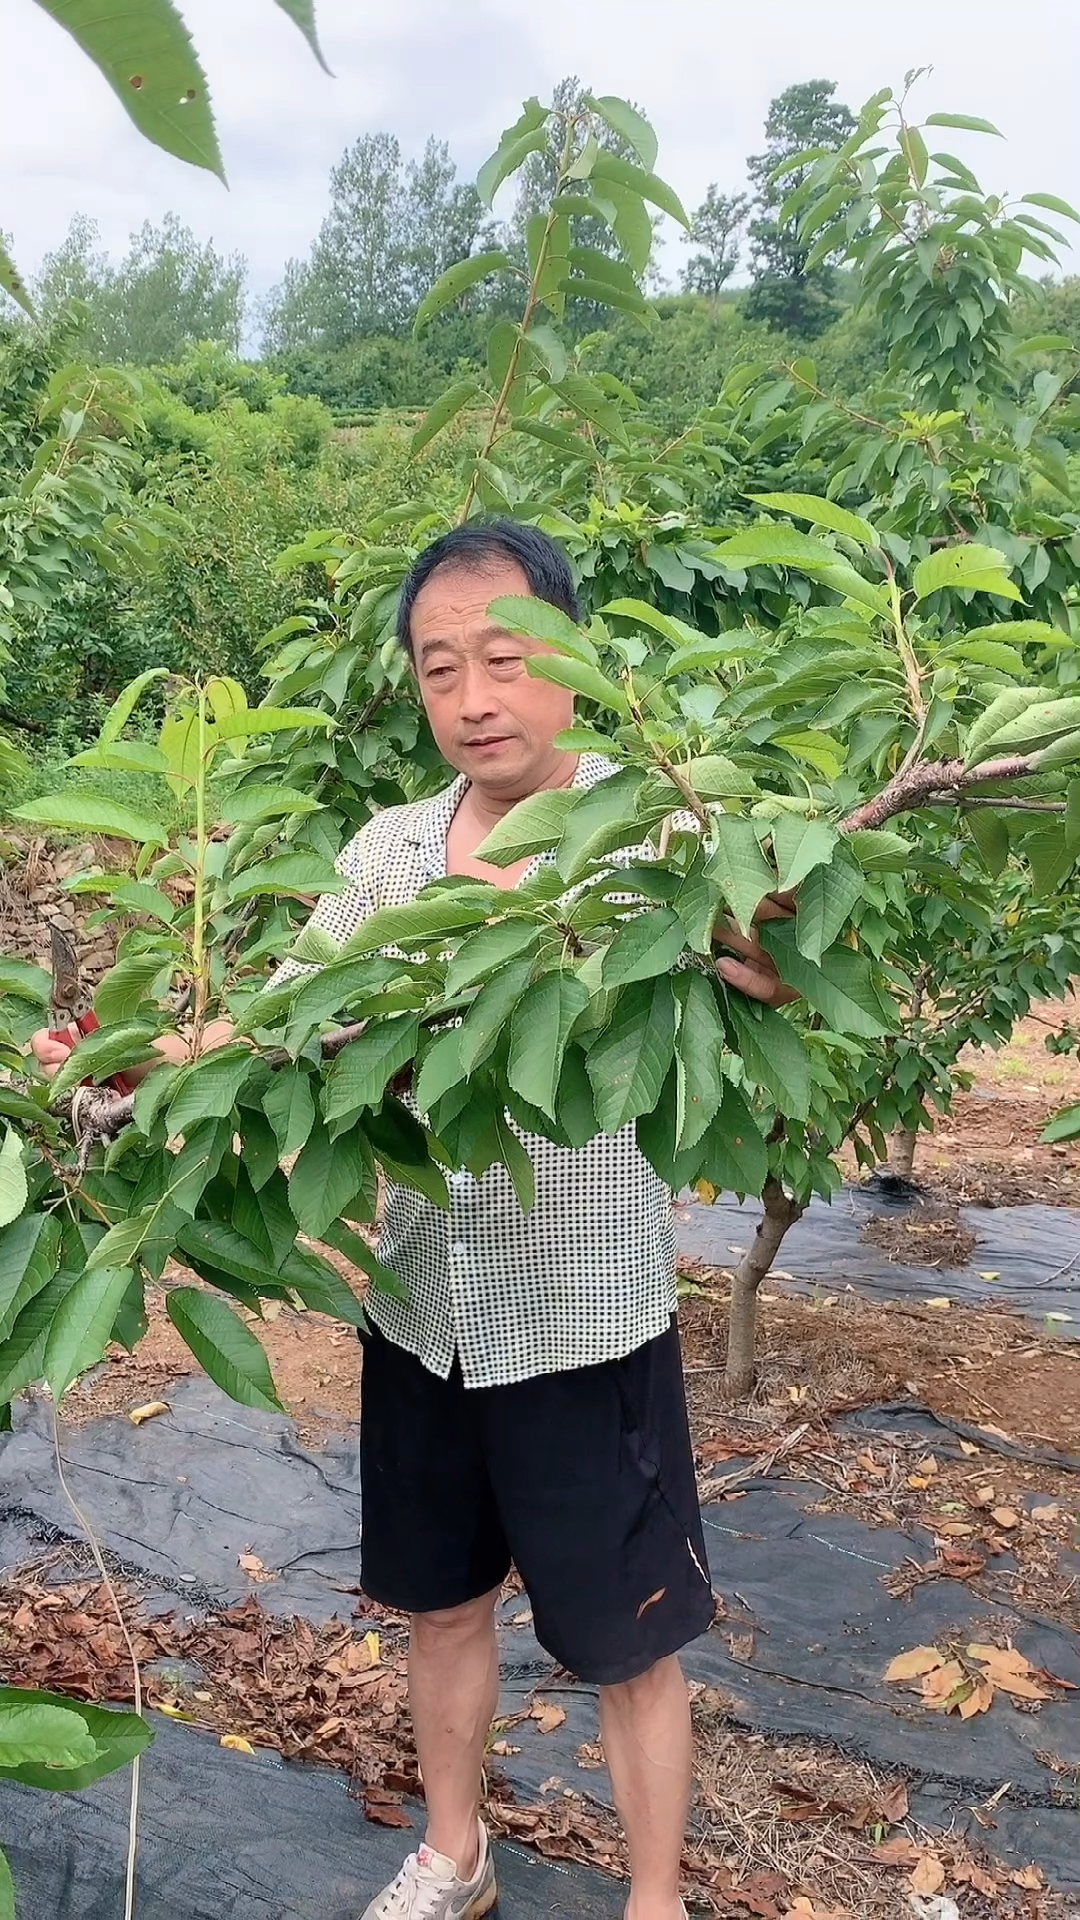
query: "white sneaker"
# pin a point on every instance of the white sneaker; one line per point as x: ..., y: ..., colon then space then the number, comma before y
x: 428, y: 1888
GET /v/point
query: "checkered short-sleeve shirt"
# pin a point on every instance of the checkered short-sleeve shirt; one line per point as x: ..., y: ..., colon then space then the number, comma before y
x: 587, y: 1275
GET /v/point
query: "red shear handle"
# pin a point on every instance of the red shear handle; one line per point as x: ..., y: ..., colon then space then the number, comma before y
x: 85, y: 1023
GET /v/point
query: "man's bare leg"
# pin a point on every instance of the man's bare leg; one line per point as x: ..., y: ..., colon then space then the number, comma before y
x: 453, y: 1694
x: 645, y: 1727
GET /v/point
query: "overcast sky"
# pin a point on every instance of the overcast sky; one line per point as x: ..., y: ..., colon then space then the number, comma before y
x: 703, y: 70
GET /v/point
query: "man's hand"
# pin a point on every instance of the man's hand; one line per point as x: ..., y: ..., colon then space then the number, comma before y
x: 754, y: 972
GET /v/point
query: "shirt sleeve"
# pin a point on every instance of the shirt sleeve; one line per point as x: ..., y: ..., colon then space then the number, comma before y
x: 337, y: 914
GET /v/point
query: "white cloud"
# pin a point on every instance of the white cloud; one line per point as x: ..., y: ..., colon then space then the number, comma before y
x: 705, y: 73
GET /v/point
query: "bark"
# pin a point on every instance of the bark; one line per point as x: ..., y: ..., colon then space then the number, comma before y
x: 779, y: 1214
x: 930, y: 784
x: 902, y: 1143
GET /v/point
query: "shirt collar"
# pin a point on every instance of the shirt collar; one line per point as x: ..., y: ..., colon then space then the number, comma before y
x: 433, y: 817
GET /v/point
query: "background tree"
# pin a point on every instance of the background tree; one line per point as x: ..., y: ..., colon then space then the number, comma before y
x: 169, y: 291
x: 393, y: 227
x: 786, y: 292
x: 717, y: 230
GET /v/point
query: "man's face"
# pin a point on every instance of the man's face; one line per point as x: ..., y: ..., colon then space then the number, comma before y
x: 491, y: 719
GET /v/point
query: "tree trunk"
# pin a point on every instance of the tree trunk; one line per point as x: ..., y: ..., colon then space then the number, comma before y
x: 902, y: 1145
x: 779, y: 1214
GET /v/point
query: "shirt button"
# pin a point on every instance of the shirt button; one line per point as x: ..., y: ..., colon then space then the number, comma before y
x: 459, y: 1249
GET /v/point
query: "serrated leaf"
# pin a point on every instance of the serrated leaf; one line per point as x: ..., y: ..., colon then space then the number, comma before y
x: 14, y: 1190
x: 120, y: 1244
x: 147, y: 55
x: 48, y: 1736
x: 446, y: 408
x: 1051, y: 202
x: 255, y: 720
x: 507, y: 158
x: 325, y: 1177
x: 699, y: 1046
x: 440, y: 1069
x: 644, y: 946
x: 426, y: 920
x: 531, y: 827
x: 359, y: 1075
x: 24, y: 1347
x: 302, y: 874
x: 879, y: 851
x: 738, y: 867
x: 12, y: 282
x: 605, y: 816
x: 821, y: 513
x: 86, y: 813
x: 628, y: 123
x: 457, y: 280
x: 824, y: 904
x: 772, y: 1053
x: 224, y: 1347
x: 207, y: 1089
x: 116, y: 1737
x: 251, y: 804
x: 29, y: 1254
x: 125, y: 704
x: 491, y: 1009
x: 966, y: 566
x: 539, y: 1030
x: 1064, y: 1126
x: 538, y: 620
x: 125, y: 986
x: 967, y: 123
x: 841, y: 988
x: 628, y: 1061
x: 83, y: 1324
x: 1008, y: 705
x: 491, y: 947
x: 1035, y: 728
x: 640, y: 180
x: 800, y: 845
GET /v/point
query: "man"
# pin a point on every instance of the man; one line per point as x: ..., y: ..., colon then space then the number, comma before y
x: 525, y: 1402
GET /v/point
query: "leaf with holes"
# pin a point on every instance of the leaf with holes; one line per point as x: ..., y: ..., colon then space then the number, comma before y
x: 147, y: 55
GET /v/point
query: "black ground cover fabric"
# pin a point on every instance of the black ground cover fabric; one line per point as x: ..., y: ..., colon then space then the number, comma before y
x: 1035, y: 1251
x: 176, y: 1501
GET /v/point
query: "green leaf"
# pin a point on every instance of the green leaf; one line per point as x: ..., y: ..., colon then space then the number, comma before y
x: 216, y: 1245
x: 1062, y: 753
x: 714, y: 777
x: 1008, y: 706
x: 125, y: 704
x: 532, y: 827
x: 24, y: 1348
x: 323, y: 1290
x: 506, y: 160
x: 772, y: 1053
x: 13, y: 1185
x: 517, y: 1163
x: 255, y: 803
x: 771, y: 545
x: 83, y: 1325
x: 539, y: 1031
x: 356, y: 1249
x: 1064, y: 1126
x: 628, y: 123
x: 12, y: 282
x: 290, y: 873
x: 608, y: 166
x: 878, y: 851
x: 87, y: 813
x: 491, y: 1009
x: 677, y: 631
x: 48, y: 1736
x: 605, y: 816
x: 29, y: 1253
x: 800, y: 845
x: 224, y: 1347
x: 123, y: 756
x: 738, y: 867
x: 628, y: 1061
x: 106, y: 1052
x: 116, y: 1737
x: 591, y: 401
x: 254, y: 720
x: 735, y: 1155
x: 991, y: 835
x: 699, y: 1046
x: 25, y: 981
x: 537, y: 620
x: 841, y: 988
x: 648, y: 944
x: 326, y: 1176
x: 119, y: 1245
x: 148, y: 58
x: 289, y: 1105
x: 207, y: 1089
x: 817, y: 749
x: 1051, y: 202
x: 359, y: 1075
x: 404, y: 1148
x: 824, y: 903
x: 822, y: 513
x: 7, y: 1884
x: 1043, y: 721
x: 457, y: 280
x: 302, y: 12
x: 440, y: 1069
x: 446, y: 408
x: 427, y: 920
x: 580, y: 678
x: 968, y: 123
x: 968, y: 565
x: 491, y: 947
x: 125, y: 986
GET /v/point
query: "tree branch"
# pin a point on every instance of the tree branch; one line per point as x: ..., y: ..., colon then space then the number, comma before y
x: 937, y: 783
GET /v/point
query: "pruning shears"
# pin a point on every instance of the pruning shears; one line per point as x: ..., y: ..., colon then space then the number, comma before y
x: 70, y: 1007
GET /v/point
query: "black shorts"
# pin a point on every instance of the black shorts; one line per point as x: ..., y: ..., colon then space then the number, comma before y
x: 584, y: 1480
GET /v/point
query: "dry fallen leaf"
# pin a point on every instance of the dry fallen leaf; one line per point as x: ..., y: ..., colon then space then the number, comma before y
x: 503, y: 1749
x: 1009, y: 1671
x: 385, y: 1809
x: 944, y: 1689
x: 150, y: 1412
x: 1028, y: 1877
x: 253, y: 1567
x: 979, y: 1700
x: 803, y: 1908
x: 969, y: 1447
x: 547, y: 1718
x: 374, y: 1648
x: 236, y: 1743
x: 940, y: 1303
x: 1045, y: 1516
x: 897, y: 1852
x: 1005, y: 1517
x: 909, y: 1666
x: 927, y: 1875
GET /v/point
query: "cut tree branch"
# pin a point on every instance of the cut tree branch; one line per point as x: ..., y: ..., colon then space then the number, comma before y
x: 934, y: 783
